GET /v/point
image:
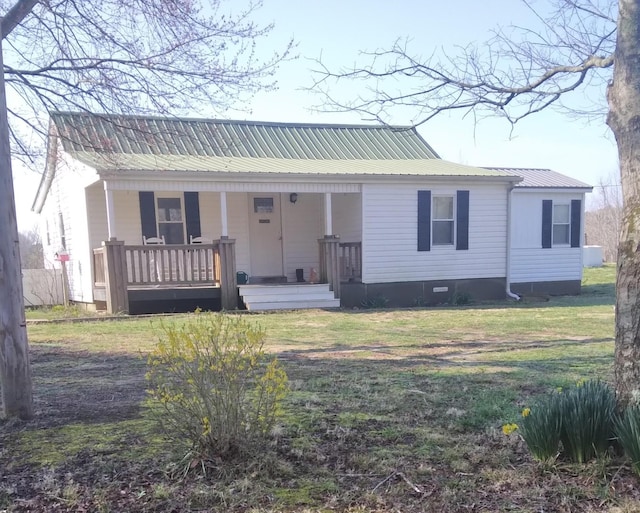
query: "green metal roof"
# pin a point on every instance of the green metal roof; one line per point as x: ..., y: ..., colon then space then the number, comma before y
x: 153, y: 136
x: 228, y: 165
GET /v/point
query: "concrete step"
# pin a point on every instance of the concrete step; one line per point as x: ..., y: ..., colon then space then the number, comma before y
x: 282, y: 289
x: 300, y: 304
x: 287, y: 296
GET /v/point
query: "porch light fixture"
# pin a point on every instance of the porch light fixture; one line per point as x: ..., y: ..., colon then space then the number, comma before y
x: 293, y: 197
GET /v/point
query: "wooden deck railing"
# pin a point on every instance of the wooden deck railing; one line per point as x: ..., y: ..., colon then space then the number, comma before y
x: 118, y: 268
x: 185, y: 264
x: 350, y: 258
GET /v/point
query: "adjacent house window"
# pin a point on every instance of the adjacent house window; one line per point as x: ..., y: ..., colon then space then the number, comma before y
x: 561, y: 224
x: 443, y: 221
x: 170, y: 220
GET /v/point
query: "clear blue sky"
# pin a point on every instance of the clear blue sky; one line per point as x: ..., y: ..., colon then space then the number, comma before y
x: 338, y: 30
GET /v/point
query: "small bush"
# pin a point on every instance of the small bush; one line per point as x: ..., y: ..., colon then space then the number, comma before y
x: 582, y: 419
x: 627, y: 429
x: 215, y: 386
x: 461, y: 299
x: 587, y: 420
x: 540, y: 428
x: 375, y: 302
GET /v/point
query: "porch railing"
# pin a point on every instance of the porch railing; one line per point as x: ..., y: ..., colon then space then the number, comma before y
x: 350, y: 260
x: 172, y: 264
x: 118, y: 268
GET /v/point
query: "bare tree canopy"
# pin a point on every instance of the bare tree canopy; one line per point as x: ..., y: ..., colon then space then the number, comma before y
x: 136, y: 56
x: 106, y: 56
x: 518, y: 72
x: 575, y: 46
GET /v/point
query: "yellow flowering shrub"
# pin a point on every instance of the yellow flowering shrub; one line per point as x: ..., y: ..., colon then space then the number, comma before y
x: 214, y: 384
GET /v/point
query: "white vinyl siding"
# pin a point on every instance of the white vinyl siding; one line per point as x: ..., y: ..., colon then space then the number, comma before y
x: 556, y: 264
x: 67, y: 204
x: 530, y: 262
x: 390, y: 235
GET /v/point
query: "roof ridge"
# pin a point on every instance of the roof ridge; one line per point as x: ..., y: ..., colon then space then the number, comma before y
x: 283, y: 124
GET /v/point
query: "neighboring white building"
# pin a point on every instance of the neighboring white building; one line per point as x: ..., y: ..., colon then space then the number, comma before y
x: 405, y: 224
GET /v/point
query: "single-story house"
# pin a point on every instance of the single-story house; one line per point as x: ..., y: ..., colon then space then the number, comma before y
x: 169, y: 213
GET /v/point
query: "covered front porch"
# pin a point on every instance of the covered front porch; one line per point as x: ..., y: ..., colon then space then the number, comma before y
x: 190, y: 247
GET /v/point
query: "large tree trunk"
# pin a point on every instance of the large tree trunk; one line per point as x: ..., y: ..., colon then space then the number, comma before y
x: 624, y: 120
x: 15, y: 372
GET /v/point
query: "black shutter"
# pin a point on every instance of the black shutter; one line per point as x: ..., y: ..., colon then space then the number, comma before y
x: 148, y: 214
x: 547, y: 223
x: 424, y: 220
x: 462, y: 220
x: 576, y: 213
x: 192, y: 214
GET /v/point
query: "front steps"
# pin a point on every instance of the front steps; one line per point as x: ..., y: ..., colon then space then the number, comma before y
x: 291, y: 296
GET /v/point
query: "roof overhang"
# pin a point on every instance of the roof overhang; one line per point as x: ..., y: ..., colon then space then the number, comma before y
x: 579, y: 190
x: 257, y: 169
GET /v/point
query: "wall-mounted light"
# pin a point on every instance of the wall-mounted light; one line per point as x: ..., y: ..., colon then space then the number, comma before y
x: 293, y: 197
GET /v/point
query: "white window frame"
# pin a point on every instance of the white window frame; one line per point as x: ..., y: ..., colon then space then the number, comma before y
x: 451, y: 220
x: 554, y: 224
x: 179, y: 197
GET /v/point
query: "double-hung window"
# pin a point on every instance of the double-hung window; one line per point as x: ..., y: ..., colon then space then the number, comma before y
x: 443, y: 221
x: 170, y: 220
x: 561, y: 224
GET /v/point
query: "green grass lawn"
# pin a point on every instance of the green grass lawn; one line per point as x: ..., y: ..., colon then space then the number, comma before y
x: 389, y: 410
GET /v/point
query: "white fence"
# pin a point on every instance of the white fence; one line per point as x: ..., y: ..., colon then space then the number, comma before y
x: 42, y: 287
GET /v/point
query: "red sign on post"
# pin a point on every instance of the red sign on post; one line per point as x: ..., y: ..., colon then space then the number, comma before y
x: 62, y: 256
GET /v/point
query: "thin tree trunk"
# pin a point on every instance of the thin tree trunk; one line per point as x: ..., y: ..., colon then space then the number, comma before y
x: 15, y: 371
x: 624, y: 120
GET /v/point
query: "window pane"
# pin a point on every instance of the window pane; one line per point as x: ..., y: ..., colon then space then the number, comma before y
x: 169, y: 209
x: 442, y: 232
x: 263, y: 205
x: 443, y: 207
x: 561, y: 214
x: 173, y: 232
x: 561, y: 234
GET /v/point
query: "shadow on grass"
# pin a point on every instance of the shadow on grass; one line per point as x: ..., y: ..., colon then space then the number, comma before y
x: 355, y: 415
x: 84, y: 387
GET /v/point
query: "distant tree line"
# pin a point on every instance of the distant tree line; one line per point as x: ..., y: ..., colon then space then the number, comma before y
x: 604, y: 221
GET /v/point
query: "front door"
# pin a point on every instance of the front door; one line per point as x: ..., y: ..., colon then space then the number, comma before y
x: 265, y: 232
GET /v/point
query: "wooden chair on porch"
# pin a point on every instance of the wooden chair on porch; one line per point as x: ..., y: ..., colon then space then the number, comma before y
x: 153, y: 240
x: 201, y: 268
x: 155, y: 260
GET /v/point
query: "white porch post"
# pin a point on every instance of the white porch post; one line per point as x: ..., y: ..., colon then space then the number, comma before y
x: 111, y: 221
x: 328, y: 221
x: 223, y: 214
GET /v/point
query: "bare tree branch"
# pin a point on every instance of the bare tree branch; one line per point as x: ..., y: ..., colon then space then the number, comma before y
x: 131, y: 57
x: 519, y: 72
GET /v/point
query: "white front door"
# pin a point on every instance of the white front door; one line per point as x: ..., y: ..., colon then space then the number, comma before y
x: 265, y: 232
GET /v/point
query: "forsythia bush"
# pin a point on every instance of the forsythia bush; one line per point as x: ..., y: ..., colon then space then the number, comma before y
x: 215, y: 385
